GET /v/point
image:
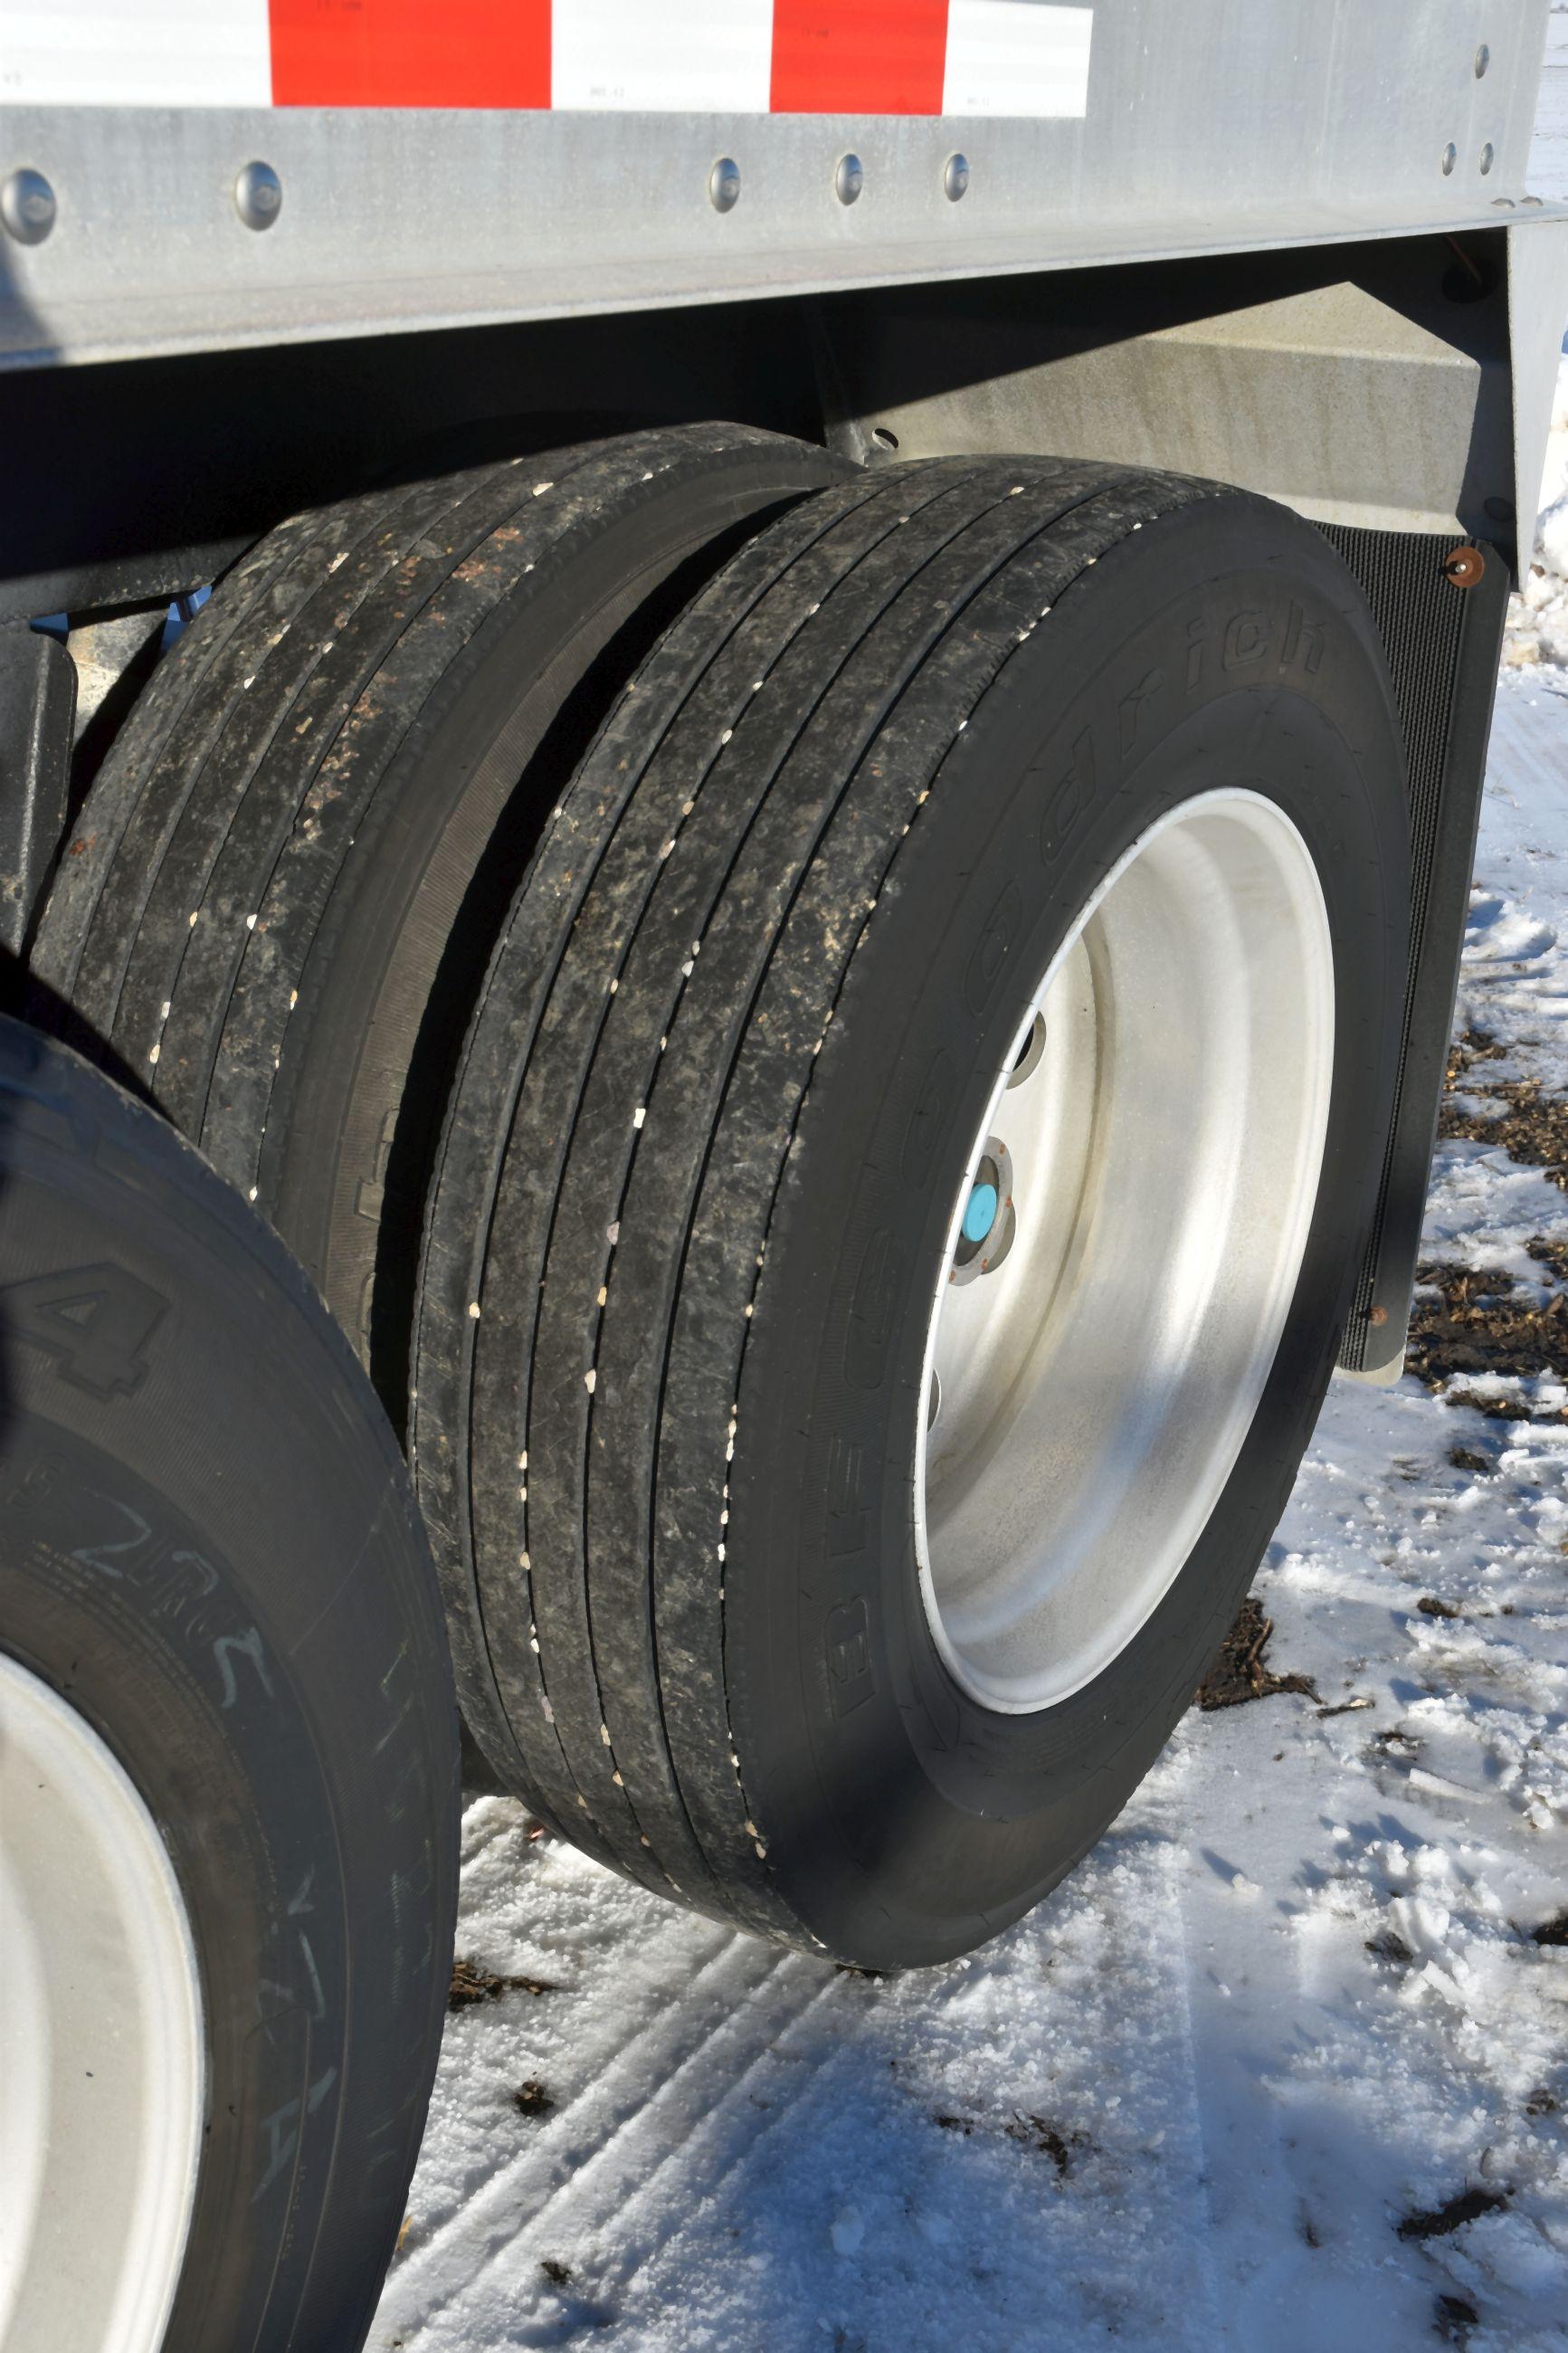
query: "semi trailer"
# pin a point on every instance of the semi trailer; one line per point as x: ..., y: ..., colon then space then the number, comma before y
x: 739, y: 754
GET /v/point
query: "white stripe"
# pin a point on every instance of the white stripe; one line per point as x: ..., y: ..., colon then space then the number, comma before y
x: 135, y: 53
x: 690, y: 57
x: 1016, y: 56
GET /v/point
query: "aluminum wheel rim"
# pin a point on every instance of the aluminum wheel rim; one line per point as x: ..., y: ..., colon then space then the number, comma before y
x: 101, y: 2041
x: 1162, y: 1111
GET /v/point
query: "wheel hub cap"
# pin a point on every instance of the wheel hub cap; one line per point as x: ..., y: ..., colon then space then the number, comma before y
x: 981, y: 1213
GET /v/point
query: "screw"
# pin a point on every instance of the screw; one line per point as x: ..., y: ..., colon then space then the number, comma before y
x: 1464, y: 566
x: 28, y: 207
x: 955, y: 177
x: 1450, y: 157
x: 1378, y: 1315
x: 1483, y: 60
x: 724, y: 185
x: 849, y: 179
x: 257, y: 196
x: 1487, y: 156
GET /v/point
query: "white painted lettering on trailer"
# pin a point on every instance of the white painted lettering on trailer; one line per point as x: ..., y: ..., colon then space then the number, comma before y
x: 1017, y: 58
x: 696, y: 57
x: 124, y: 53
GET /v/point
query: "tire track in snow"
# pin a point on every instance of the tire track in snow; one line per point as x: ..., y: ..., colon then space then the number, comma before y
x: 725, y: 2022
x: 713, y: 2155
x: 618, y: 2208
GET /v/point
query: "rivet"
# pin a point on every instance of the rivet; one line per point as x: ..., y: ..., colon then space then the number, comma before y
x: 849, y: 179
x: 955, y: 177
x: 1487, y: 157
x: 1483, y: 60
x: 28, y: 207
x: 257, y: 196
x: 724, y: 185
x: 1450, y: 157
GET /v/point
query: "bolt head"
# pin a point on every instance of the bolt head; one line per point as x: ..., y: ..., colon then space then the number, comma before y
x: 849, y: 179
x: 1488, y: 157
x: 955, y: 178
x: 28, y: 207
x: 1483, y: 60
x: 257, y: 196
x: 1464, y: 566
x: 1449, y: 158
x: 724, y: 185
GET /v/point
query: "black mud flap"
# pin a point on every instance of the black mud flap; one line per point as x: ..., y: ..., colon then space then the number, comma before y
x: 1442, y: 632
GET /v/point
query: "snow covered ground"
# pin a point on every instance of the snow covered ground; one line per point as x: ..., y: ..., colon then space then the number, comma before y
x: 1283, y: 2066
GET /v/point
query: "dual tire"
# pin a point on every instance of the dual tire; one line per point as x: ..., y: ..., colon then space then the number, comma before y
x: 681, y: 1018
x: 731, y: 1083
x: 277, y: 906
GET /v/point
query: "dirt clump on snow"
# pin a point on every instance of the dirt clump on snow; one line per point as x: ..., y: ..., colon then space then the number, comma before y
x: 1468, y: 1320
x: 1530, y: 1124
x: 1037, y: 2133
x: 471, y: 1983
x: 1047, y: 2140
x: 1454, y: 2317
x: 1468, y: 2206
x: 1239, y: 1674
x: 1389, y: 1945
x: 1480, y: 1321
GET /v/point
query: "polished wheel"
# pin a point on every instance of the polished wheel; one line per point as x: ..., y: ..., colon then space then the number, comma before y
x: 1125, y: 1249
x: 101, y: 2041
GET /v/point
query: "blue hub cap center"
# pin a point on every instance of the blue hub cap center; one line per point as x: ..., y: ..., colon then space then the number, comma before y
x: 980, y: 1215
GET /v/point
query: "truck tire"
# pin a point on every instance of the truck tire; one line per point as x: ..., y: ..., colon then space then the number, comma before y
x: 900, y: 1194
x: 282, y: 893
x: 228, y: 1759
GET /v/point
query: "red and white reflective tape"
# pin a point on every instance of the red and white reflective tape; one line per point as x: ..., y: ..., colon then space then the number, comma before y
x: 721, y: 57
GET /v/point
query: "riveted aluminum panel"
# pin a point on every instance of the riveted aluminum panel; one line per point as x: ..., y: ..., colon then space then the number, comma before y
x: 1212, y: 126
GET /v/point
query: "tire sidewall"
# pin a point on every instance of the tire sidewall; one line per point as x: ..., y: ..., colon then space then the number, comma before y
x: 216, y: 1562
x: 130, y: 1646
x: 910, y: 1820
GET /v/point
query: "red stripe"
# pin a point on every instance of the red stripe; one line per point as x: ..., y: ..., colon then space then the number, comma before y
x: 858, y: 57
x: 408, y: 53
